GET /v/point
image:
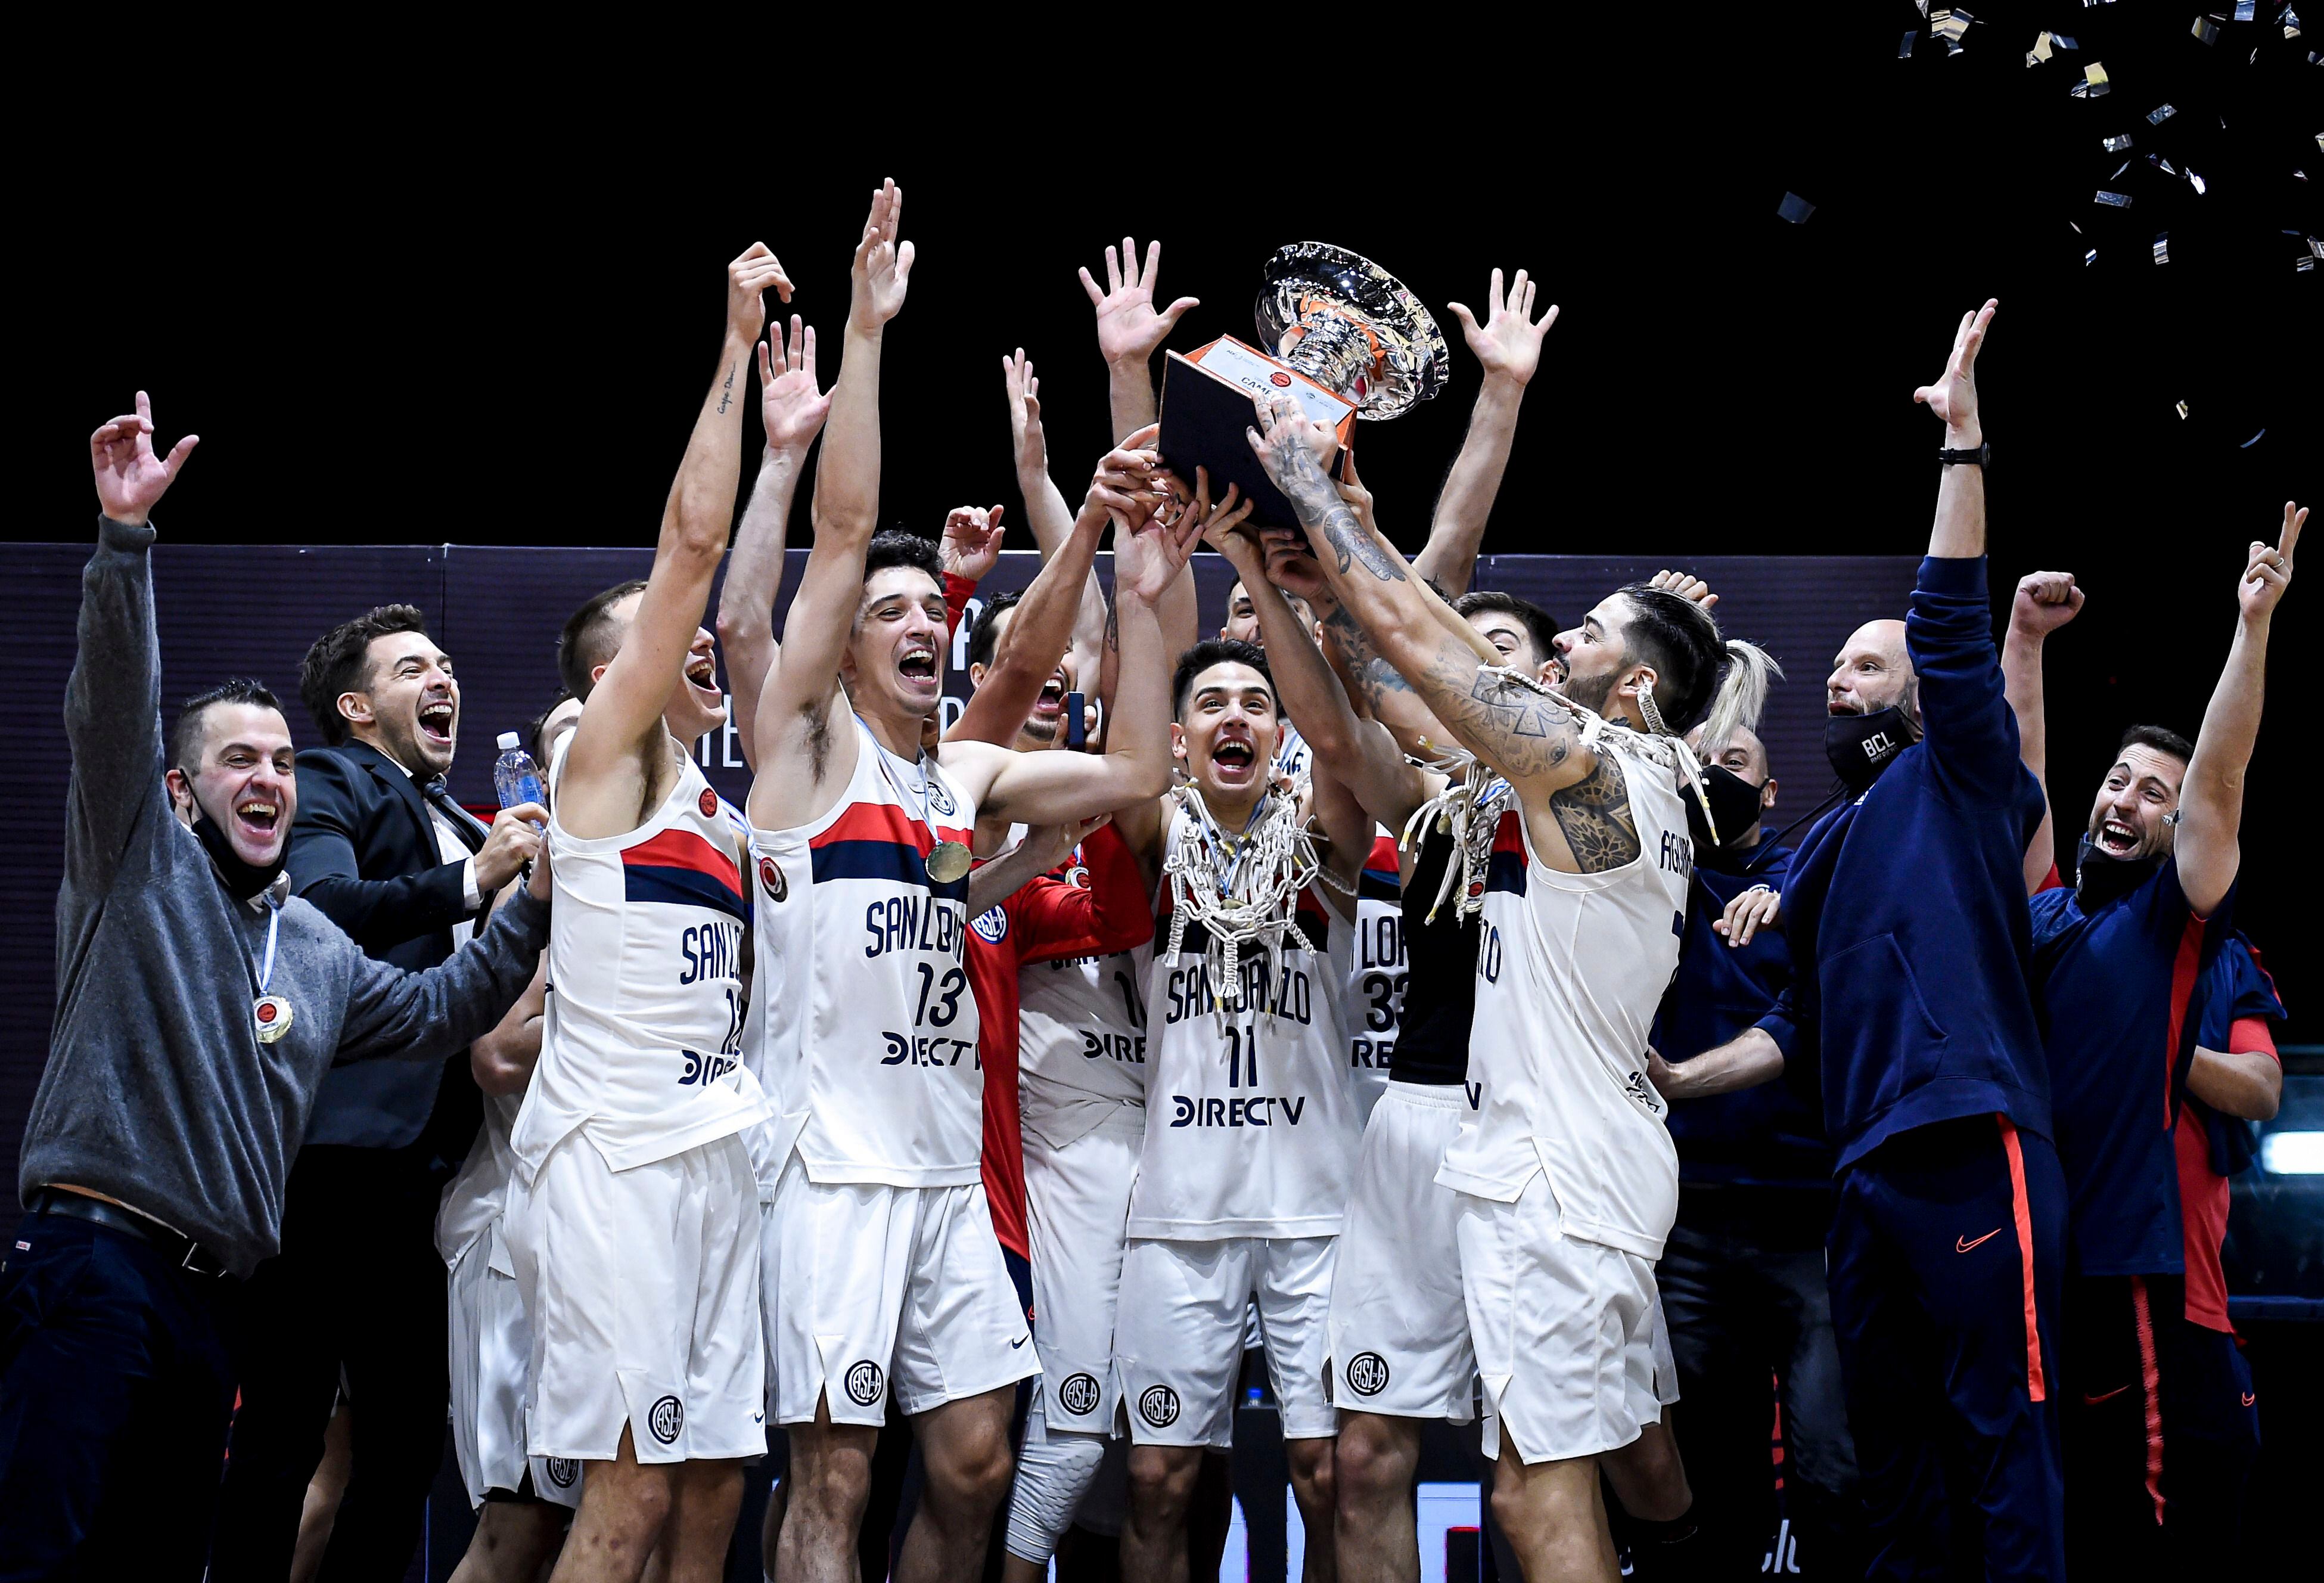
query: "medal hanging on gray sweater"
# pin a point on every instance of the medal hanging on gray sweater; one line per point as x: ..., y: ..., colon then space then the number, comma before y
x: 270, y: 1013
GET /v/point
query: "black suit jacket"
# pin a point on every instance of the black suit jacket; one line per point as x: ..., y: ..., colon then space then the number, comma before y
x: 364, y: 849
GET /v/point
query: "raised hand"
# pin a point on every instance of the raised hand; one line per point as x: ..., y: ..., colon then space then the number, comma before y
x: 1509, y: 343
x: 1148, y: 559
x: 1130, y: 483
x: 2267, y: 572
x: 2044, y: 602
x: 1953, y: 397
x: 1129, y: 330
x: 1026, y: 441
x: 972, y: 542
x: 790, y: 408
x: 1293, y: 448
x: 129, y: 476
x: 747, y: 280
x: 882, y: 270
x: 1292, y: 567
x: 1686, y: 586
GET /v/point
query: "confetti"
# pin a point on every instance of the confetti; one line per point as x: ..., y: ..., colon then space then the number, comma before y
x: 2316, y: 246
x: 2040, y: 49
x: 2255, y: 439
x: 2183, y: 412
x: 2112, y: 200
x: 2291, y: 20
x: 2163, y: 247
x: 1949, y: 26
x: 2114, y: 146
x: 2160, y: 163
x: 2303, y: 264
x: 2196, y: 181
x: 1795, y: 208
x: 2064, y: 41
x: 1904, y: 49
x: 2207, y: 30
x: 2247, y: 10
x: 2094, y: 81
x: 2161, y: 113
x: 2119, y: 170
x: 2091, y: 258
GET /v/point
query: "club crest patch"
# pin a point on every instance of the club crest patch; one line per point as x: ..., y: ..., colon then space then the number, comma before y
x: 1079, y: 1394
x: 666, y: 1420
x: 562, y: 1471
x: 1158, y: 1405
x: 770, y: 878
x: 709, y: 804
x: 864, y: 1382
x: 1367, y: 1374
x: 992, y: 926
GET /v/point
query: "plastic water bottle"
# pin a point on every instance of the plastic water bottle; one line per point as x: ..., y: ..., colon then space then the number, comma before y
x: 515, y: 777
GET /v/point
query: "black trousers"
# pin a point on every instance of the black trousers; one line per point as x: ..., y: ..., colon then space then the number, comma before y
x: 1743, y: 1291
x: 117, y: 1381
x: 2162, y: 1427
x: 358, y: 1288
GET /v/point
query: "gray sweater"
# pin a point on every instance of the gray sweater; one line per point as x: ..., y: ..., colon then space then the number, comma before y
x: 158, y: 1091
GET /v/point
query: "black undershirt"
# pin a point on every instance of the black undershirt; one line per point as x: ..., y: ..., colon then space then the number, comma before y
x: 1440, y: 960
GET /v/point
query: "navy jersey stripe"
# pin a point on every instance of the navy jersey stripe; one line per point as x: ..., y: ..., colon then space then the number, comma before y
x: 1375, y: 885
x: 883, y: 860
x: 1507, y: 871
x: 684, y: 887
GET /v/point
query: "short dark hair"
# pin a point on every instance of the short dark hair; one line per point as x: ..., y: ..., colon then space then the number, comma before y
x: 1680, y: 641
x: 985, y: 635
x: 1210, y: 652
x: 531, y: 738
x: 2160, y: 738
x: 340, y: 662
x: 898, y: 547
x: 587, y: 640
x: 186, y: 735
x: 1540, y: 625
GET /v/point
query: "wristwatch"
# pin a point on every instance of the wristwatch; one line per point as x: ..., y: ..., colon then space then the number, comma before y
x: 1972, y: 458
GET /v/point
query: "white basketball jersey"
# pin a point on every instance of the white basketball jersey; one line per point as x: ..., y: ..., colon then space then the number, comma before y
x: 1569, y: 968
x: 641, y: 1044
x: 475, y: 1199
x: 1375, y: 975
x: 1081, y: 1041
x: 870, y: 1027
x: 1250, y: 1125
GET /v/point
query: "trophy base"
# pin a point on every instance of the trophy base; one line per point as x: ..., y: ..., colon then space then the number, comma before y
x: 1206, y: 406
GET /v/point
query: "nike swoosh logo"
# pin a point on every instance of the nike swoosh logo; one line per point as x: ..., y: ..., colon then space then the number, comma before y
x: 1961, y: 1244
x: 2090, y: 1401
x: 2249, y: 1398
x: 1021, y: 1341
x: 758, y: 1418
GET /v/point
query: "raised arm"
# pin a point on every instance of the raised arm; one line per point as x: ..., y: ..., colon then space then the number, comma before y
x: 793, y: 724
x: 791, y: 410
x: 1050, y: 788
x: 2045, y: 601
x: 1959, y: 531
x: 601, y: 785
x: 2210, y: 846
x: 1364, y: 759
x: 1530, y: 736
x: 113, y: 699
x: 1509, y: 346
x: 1046, y: 511
x: 1129, y: 332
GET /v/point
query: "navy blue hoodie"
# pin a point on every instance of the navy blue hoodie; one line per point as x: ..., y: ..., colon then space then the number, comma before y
x: 1906, y: 909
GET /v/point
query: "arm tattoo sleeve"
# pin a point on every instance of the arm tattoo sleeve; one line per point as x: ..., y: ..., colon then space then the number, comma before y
x: 1594, y: 813
x: 1523, y: 732
x: 1320, y: 509
x: 1374, y: 675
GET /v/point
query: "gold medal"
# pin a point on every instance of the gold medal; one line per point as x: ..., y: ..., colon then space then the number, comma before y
x: 949, y: 862
x: 273, y: 1014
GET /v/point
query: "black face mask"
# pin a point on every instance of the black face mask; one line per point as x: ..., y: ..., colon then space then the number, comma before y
x: 1860, y: 746
x: 2099, y: 876
x: 243, y: 880
x: 1734, y: 809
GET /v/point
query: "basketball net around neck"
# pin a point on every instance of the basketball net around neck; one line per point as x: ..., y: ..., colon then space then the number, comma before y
x: 1469, y: 810
x: 1239, y: 888
x: 1655, y: 744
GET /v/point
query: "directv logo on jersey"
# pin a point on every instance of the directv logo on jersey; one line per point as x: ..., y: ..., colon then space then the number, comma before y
x: 1637, y: 1087
x: 1195, y: 1111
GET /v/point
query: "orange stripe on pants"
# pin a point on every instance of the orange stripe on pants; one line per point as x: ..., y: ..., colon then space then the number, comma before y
x: 2037, y: 1387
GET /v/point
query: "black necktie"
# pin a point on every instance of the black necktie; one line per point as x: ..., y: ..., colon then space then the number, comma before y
x: 464, y: 823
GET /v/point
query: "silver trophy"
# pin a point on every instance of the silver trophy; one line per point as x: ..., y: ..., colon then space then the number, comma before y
x: 1351, y: 327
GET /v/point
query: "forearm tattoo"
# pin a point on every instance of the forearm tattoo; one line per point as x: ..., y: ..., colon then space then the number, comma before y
x: 726, y: 391
x: 1320, y: 509
x: 1594, y: 813
x: 1374, y: 676
x: 1524, y: 732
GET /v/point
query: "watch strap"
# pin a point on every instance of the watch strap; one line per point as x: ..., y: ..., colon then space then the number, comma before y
x: 1973, y: 459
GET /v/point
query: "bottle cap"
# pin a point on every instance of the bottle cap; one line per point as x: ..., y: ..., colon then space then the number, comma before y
x: 508, y: 740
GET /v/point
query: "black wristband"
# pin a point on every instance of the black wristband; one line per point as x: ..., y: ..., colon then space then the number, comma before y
x: 1968, y: 458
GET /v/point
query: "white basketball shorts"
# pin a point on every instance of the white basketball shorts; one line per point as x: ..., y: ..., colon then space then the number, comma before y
x: 870, y: 1289
x: 491, y: 1352
x: 1077, y: 1210
x: 643, y: 1289
x: 1564, y: 1330
x: 1399, y: 1325
x: 1178, y: 1337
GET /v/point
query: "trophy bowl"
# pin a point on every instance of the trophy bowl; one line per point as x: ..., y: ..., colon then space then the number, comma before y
x: 1351, y: 327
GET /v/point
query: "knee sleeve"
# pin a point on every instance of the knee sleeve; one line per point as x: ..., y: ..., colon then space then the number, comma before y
x: 1052, y: 1473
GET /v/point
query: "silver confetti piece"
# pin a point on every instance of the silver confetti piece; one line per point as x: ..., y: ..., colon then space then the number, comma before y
x: 2064, y: 41
x: 2183, y: 412
x: 1795, y: 208
x: 2163, y: 247
x: 1904, y: 49
x: 2094, y: 79
x: 2112, y: 200
x: 2255, y: 439
x: 2161, y: 113
x: 2091, y: 258
x: 2196, y: 181
x: 2114, y: 146
x: 2207, y: 30
x: 2119, y: 170
x: 2247, y: 10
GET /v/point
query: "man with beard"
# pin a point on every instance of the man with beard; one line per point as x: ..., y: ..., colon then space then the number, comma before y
x: 199, y: 1006
x: 2118, y: 957
x: 1911, y: 995
x: 382, y: 847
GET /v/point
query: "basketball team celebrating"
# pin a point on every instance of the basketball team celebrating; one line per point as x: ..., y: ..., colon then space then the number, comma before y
x: 1089, y: 1044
